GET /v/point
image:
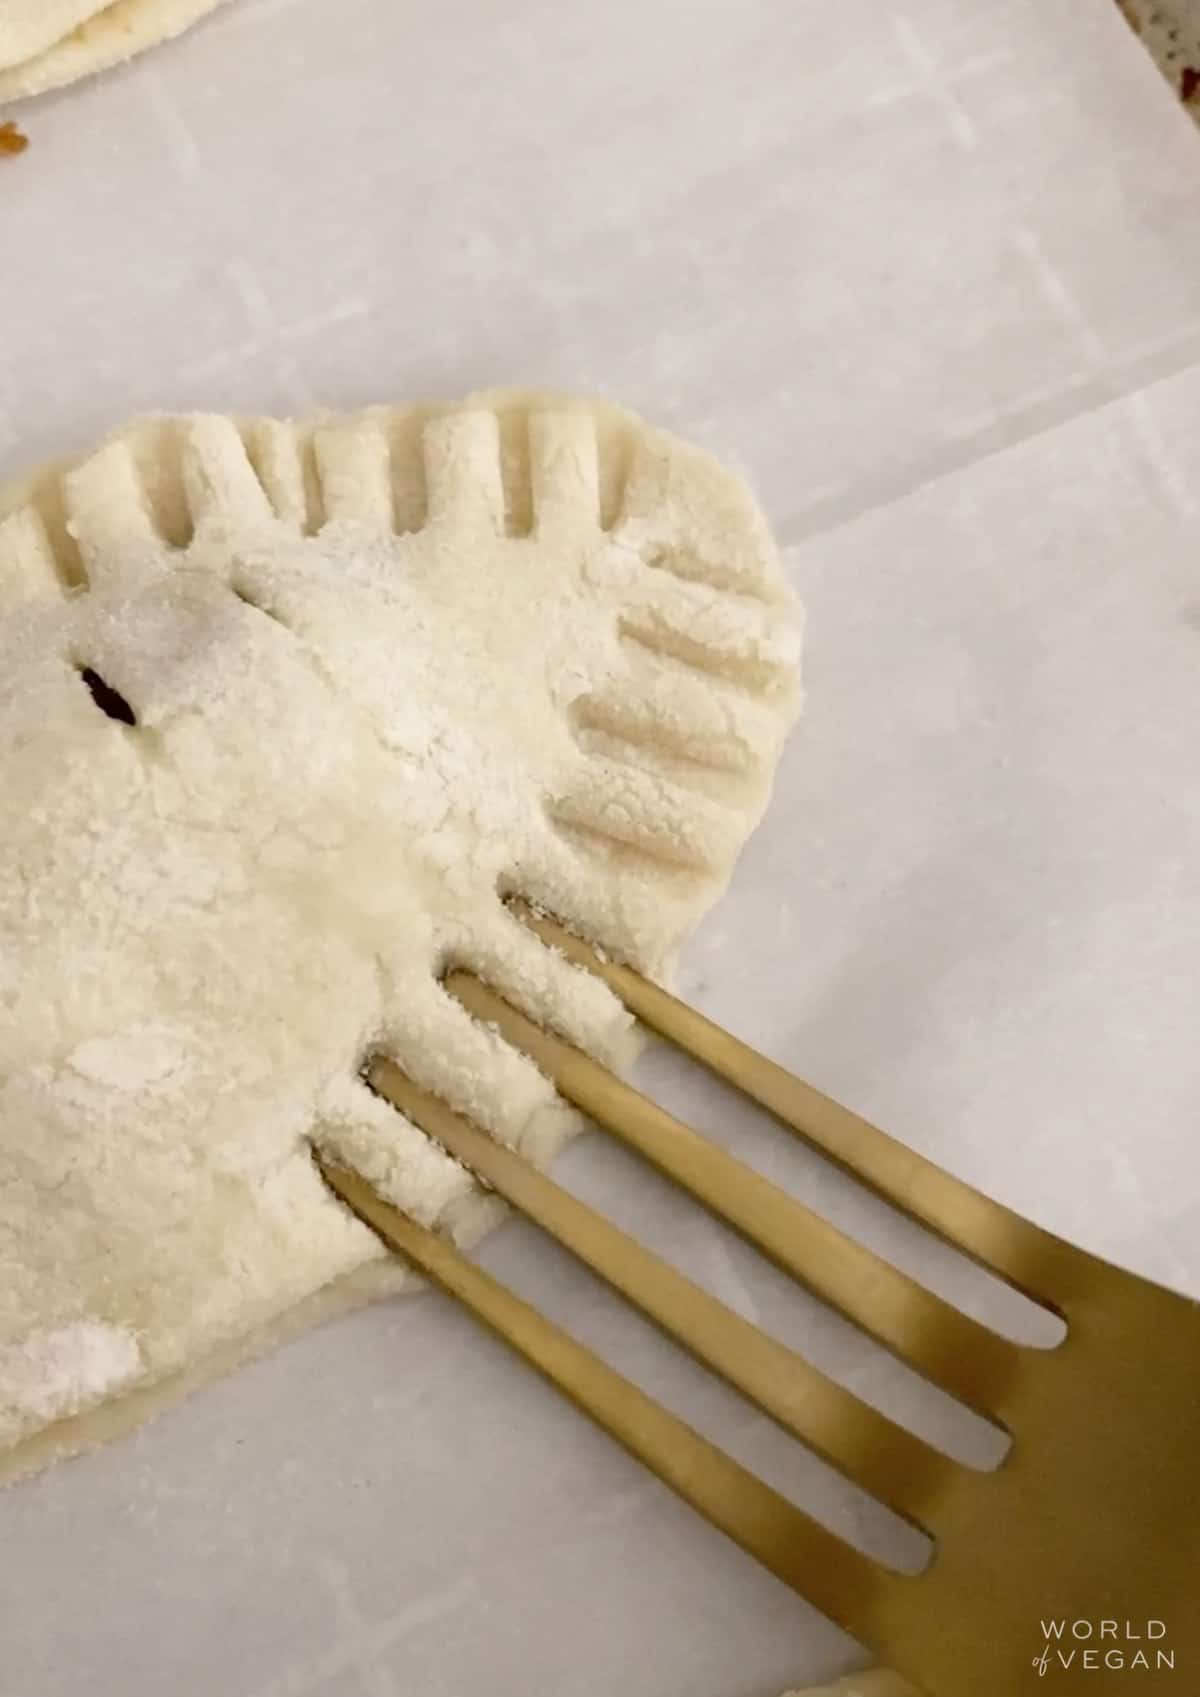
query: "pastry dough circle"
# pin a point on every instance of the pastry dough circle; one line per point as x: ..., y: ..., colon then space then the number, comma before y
x: 381, y: 669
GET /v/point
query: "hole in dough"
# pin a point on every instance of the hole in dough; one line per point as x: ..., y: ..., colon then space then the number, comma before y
x: 110, y: 701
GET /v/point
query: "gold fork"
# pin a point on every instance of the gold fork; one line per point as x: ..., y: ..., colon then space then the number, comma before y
x: 1077, y: 1559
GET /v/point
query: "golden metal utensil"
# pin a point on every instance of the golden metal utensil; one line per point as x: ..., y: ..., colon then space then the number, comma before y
x: 1073, y: 1567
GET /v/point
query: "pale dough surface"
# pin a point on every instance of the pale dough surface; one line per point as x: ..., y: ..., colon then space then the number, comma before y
x: 46, y: 43
x: 382, y: 669
x: 30, y: 26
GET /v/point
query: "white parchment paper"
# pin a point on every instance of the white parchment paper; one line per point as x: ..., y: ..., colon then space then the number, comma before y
x: 931, y: 270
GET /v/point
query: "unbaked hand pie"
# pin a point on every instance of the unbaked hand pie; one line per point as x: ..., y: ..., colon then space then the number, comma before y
x: 286, y: 711
x: 46, y: 43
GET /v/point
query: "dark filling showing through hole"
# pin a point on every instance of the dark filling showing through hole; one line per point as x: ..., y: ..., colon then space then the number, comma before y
x: 107, y: 699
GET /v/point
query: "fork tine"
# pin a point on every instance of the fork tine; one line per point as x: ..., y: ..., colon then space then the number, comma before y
x: 896, y: 1466
x: 839, y: 1580
x: 1035, y: 1262
x: 954, y: 1351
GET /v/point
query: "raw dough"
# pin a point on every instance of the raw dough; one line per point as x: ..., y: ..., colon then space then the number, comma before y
x: 28, y: 27
x: 381, y: 669
x: 46, y: 43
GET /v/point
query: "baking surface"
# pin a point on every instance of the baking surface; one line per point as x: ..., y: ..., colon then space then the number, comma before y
x: 932, y: 274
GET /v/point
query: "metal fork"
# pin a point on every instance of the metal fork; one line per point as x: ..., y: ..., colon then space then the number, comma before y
x: 1079, y: 1554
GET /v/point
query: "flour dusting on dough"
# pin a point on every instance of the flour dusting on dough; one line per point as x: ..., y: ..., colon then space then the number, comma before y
x: 288, y: 709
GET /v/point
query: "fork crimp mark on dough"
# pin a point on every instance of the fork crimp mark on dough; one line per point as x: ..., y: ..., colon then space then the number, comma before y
x: 269, y: 876
x: 109, y: 516
x: 730, y: 634
x: 686, y: 524
x: 355, y: 468
x: 660, y: 702
x: 564, y: 469
x: 462, y: 470
x: 29, y: 567
x: 544, y: 984
x: 274, y: 450
x: 223, y: 490
x: 658, y: 818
